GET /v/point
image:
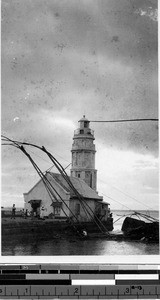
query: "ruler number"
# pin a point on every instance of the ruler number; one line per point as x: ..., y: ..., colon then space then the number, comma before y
x: 1, y: 291
x: 75, y: 291
x: 24, y: 267
x: 127, y: 290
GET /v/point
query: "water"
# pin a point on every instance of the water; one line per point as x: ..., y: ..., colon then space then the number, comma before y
x: 29, y: 245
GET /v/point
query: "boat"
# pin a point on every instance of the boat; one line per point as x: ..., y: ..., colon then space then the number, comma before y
x: 137, y: 229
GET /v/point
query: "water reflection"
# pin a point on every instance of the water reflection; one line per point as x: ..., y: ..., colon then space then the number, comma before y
x: 33, y: 245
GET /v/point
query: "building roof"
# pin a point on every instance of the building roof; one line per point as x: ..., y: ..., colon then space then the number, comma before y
x: 82, y: 188
x: 83, y: 119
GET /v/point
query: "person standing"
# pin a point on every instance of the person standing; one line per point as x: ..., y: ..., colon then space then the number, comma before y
x: 42, y: 212
x: 13, y: 211
x: 26, y: 213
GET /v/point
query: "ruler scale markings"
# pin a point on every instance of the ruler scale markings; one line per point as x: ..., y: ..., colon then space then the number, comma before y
x: 151, y: 292
x: 137, y: 282
x: 112, y: 294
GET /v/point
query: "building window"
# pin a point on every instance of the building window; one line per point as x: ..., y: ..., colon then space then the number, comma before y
x: 79, y: 175
x: 57, y: 211
x: 81, y: 131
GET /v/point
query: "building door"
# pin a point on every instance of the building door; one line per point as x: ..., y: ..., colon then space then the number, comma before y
x: 35, y: 204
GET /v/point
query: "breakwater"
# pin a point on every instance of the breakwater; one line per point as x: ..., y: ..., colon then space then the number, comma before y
x: 47, y: 227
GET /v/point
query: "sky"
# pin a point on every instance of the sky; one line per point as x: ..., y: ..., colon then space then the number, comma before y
x: 63, y: 59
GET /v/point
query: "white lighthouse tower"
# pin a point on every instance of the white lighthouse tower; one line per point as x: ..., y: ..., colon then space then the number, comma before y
x: 83, y: 154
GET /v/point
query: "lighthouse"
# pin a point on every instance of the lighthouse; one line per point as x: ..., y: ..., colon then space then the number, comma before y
x: 75, y: 197
x: 83, y: 154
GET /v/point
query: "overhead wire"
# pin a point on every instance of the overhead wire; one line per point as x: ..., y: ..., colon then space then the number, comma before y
x: 126, y: 194
x: 127, y: 120
x: 131, y: 210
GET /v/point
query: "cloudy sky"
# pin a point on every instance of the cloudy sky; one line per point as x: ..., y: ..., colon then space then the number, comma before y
x: 62, y: 59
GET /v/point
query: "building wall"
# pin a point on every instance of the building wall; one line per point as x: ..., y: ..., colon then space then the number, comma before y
x: 76, y: 206
x: 102, y: 211
x: 83, y: 159
x: 88, y: 175
x: 39, y: 192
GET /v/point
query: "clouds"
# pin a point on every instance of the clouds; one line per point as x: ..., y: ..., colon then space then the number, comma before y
x: 63, y: 59
x: 130, y: 178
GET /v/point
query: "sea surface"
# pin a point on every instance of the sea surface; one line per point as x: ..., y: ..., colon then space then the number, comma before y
x: 29, y: 245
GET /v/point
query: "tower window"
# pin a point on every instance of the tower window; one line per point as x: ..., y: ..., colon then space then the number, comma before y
x: 85, y: 124
x: 81, y: 131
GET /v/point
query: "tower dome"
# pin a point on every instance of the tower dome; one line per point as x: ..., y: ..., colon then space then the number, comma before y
x: 83, y: 154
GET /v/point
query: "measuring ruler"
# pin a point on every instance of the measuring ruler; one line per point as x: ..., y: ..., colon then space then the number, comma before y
x: 73, y: 281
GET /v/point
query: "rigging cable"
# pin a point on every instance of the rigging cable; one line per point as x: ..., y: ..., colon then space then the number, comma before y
x: 70, y: 183
x: 128, y: 120
x: 126, y: 194
x: 134, y: 212
x: 66, y: 177
x: 43, y: 176
x: 66, y: 174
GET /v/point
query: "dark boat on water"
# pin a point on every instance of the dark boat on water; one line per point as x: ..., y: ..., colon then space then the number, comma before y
x: 137, y: 229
